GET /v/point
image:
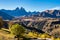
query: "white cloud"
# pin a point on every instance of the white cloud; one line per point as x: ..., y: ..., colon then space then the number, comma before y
x: 57, y: 8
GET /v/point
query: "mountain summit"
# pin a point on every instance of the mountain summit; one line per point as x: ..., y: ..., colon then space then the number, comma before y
x: 17, y: 8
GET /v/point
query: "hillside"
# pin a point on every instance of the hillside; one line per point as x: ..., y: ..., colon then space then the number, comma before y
x: 5, y: 16
x: 50, y: 26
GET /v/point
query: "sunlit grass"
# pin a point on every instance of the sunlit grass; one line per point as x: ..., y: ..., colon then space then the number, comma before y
x: 3, y: 32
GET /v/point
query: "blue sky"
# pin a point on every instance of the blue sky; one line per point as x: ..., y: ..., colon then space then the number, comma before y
x: 30, y: 5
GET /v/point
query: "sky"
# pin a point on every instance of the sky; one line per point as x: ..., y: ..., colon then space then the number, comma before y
x: 30, y: 5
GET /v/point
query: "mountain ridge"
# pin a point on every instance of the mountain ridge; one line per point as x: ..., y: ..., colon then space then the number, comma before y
x: 21, y: 12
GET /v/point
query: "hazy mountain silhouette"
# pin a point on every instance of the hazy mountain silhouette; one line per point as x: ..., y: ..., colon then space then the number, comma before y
x: 5, y: 16
x: 17, y: 12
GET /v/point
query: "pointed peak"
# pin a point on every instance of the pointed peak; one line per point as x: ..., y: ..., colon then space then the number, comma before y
x: 17, y: 8
x: 22, y: 8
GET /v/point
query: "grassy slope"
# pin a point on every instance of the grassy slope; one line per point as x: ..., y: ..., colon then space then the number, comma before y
x: 4, y: 34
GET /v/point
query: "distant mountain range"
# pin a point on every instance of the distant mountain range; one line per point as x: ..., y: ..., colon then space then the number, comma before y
x: 9, y: 14
x: 5, y: 16
x: 49, y: 13
x: 18, y: 12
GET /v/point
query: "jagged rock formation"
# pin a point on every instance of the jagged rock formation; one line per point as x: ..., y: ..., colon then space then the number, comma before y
x: 49, y: 13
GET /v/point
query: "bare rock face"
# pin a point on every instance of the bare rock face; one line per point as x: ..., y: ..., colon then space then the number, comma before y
x: 52, y: 28
x: 48, y: 25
